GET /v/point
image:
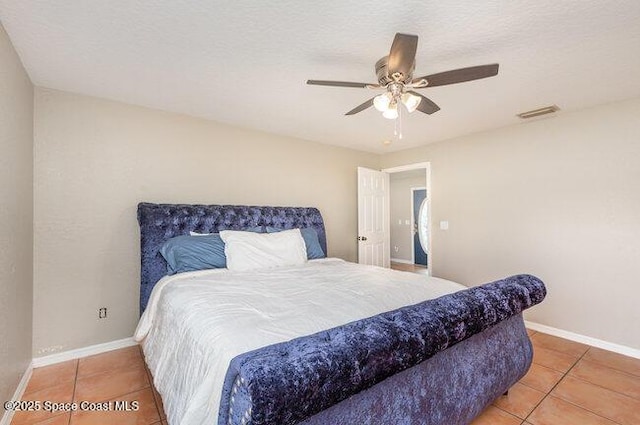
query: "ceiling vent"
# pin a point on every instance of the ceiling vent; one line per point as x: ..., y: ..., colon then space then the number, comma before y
x: 537, y: 112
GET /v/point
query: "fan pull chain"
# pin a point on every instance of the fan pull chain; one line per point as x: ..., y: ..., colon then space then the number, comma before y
x: 398, y: 123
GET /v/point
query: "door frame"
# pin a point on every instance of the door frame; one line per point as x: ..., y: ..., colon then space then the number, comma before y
x: 413, y: 247
x: 427, y: 172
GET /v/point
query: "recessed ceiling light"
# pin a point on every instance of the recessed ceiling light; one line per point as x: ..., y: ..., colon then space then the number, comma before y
x: 537, y: 112
x: 386, y: 142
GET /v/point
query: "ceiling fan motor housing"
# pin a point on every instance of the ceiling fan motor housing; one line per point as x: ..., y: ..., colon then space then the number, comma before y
x: 382, y: 72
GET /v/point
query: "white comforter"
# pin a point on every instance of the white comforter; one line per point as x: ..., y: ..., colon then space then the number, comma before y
x: 196, y: 322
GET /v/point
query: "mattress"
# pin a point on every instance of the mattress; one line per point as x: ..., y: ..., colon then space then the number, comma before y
x: 196, y: 322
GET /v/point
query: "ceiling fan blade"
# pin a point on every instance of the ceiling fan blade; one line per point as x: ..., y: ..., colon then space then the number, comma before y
x: 362, y: 107
x: 339, y: 84
x: 402, y: 56
x: 460, y: 75
x: 426, y: 105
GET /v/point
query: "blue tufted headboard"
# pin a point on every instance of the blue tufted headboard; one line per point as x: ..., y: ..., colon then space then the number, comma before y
x: 159, y: 222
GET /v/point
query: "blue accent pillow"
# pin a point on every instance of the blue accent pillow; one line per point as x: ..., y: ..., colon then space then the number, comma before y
x: 190, y: 253
x: 310, y: 236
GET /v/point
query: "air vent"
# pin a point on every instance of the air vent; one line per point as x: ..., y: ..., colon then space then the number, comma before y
x: 537, y: 112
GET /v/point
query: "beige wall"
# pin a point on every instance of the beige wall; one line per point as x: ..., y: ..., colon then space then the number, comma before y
x: 555, y: 197
x: 16, y: 218
x: 558, y: 198
x: 96, y: 159
x: 400, y: 211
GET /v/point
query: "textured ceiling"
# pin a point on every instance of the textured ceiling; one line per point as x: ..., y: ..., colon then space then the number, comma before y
x: 246, y: 62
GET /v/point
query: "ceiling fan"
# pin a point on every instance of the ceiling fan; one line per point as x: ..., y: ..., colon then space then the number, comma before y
x: 395, y: 77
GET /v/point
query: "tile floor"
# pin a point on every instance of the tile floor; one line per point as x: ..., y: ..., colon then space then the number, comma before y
x: 415, y: 268
x: 568, y: 384
x: 117, y: 375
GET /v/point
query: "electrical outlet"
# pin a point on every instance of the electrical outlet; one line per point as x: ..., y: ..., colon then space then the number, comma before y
x: 396, y: 249
x: 102, y: 313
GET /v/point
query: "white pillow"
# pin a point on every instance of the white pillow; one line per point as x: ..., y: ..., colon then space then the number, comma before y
x: 252, y: 251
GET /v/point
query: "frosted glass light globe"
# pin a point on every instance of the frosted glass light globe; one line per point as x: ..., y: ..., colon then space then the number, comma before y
x: 411, y: 101
x: 381, y: 102
x: 392, y: 112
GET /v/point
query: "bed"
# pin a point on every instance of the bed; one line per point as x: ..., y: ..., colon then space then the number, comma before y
x: 324, y: 342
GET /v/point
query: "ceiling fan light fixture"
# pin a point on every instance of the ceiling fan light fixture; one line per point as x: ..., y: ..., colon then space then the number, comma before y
x: 392, y: 112
x: 411, y: 101
x: 395, y: 74
x: 381, y: 102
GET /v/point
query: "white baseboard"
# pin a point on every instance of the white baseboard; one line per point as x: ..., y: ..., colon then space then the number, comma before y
x: 594, y: 342
x: 83, y: 352
x: 400, y: 260
x: 17, y: 395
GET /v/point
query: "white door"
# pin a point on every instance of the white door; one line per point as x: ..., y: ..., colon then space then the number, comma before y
x: 373, y: 217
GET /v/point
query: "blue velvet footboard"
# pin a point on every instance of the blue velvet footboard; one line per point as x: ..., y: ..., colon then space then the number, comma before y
x: 450, y: 388
x: 437, y: 362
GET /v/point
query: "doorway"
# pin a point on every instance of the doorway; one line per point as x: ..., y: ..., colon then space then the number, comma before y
x: 419, y: 225
x: 409, y: 216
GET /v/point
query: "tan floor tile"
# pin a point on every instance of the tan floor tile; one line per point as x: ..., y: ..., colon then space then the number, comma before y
x: 117, y: 359
x: 606, y: 377
x: 150, y: 375
x: 145, y: 414
x: 617, y: 407
x: 553, y: 359
x: 554, y: 411
x: 413, y: 268
x: 541, y: 378
x: 614, y: 360
x: 158, y: 398
x: 62, y: 393
x: 559, y: 344
x: 50, y: 376
x: 494, y: 416
x: 520, y: 401
x: 56, y: 420
x: 156, y: 395
x: 107, y: 385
